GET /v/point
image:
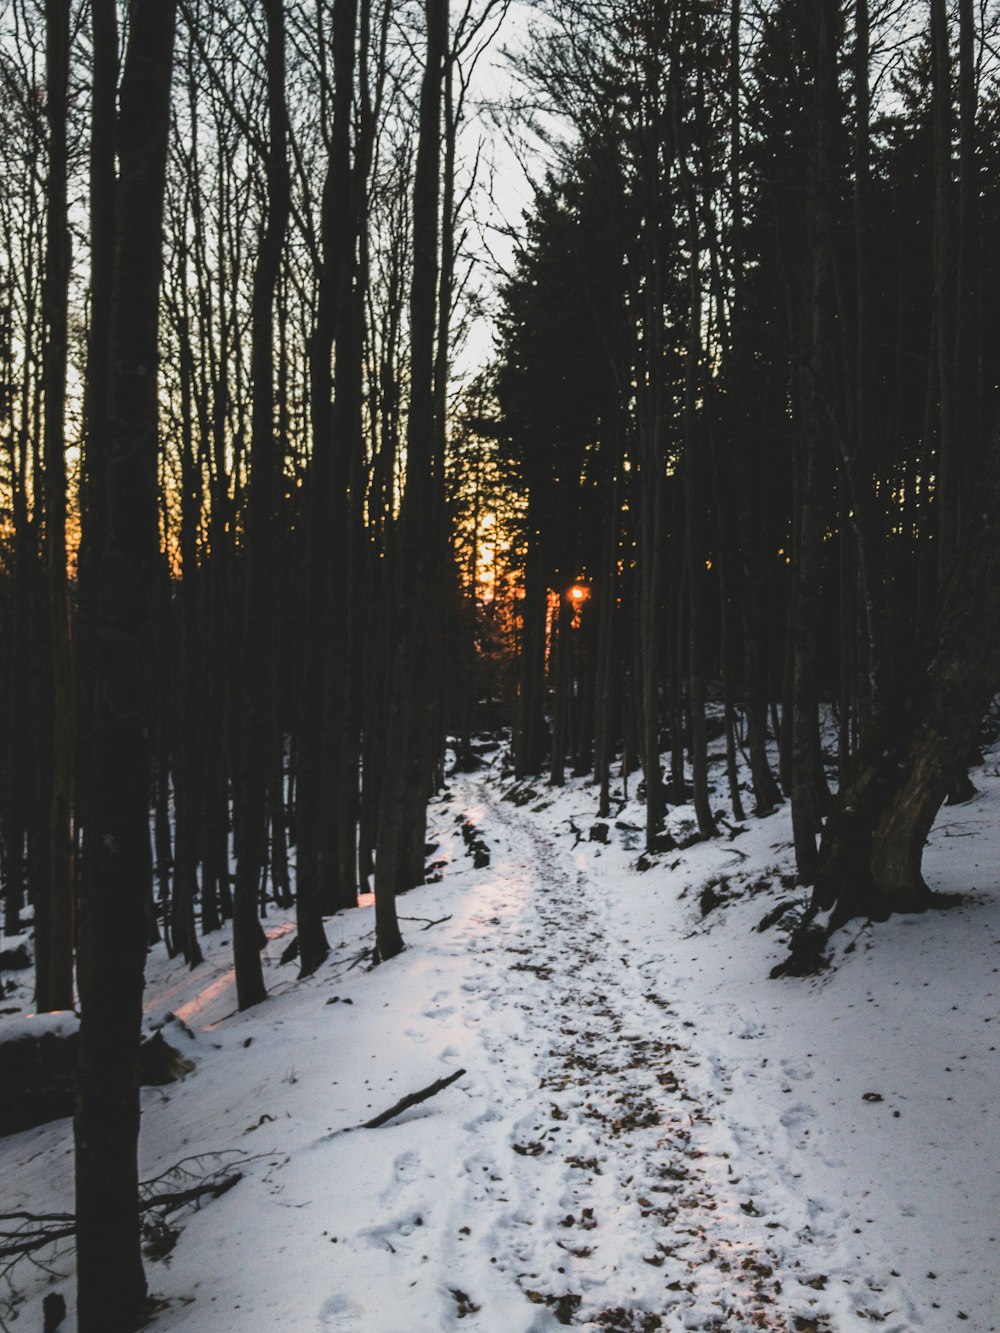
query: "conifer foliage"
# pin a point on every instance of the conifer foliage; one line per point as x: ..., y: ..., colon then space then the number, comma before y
x: 728, y: 375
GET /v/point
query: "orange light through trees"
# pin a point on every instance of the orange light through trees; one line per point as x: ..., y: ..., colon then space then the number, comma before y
x: 577, y: 595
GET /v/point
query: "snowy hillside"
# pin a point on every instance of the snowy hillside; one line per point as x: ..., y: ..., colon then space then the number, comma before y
x: 650, y: 1133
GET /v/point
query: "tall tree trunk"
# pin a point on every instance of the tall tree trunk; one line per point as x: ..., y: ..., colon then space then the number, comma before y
x: 751, y: 584
x: 948, y: 468
x: 857, y: 443
x: 55, y: 989
x: 968, y: 378
x: 257, y: 667
x: 188, y: 683
x: 649, y: 611
x: 117, y: 867
x: 350, y: 588
x: 419, y: 579
x: 816, y: 397
x: 605, y: 696
x: 323, y: 699
x: 694, y: 554
x: 102, y: 194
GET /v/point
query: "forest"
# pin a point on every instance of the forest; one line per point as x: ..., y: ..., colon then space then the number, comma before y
x: 273, y: 552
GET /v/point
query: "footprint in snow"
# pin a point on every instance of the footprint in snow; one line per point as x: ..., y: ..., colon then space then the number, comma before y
x: 798, y: 1070
x: 339, y: 1312
x: 406, y: 1166
x: 797, y: 1116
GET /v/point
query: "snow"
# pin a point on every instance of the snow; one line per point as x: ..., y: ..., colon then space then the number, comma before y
x: 61, y: 1023
x: 650, y: 1133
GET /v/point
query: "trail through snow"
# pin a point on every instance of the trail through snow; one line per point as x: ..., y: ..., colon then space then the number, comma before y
x: 588, y: 1157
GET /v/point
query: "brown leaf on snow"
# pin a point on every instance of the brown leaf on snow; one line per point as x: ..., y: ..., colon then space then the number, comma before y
x: 464, y: 1303
x: 529, y: 1149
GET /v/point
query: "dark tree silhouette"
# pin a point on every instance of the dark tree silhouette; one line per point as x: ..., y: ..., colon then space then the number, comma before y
x: 116, y: 880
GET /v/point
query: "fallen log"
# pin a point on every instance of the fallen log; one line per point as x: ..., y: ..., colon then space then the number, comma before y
x: 414, y: 1099
x: 38, y: 1068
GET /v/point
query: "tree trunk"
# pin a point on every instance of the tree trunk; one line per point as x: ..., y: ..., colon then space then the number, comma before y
x: 694, y: 553
x: 560, y: 675
x: 870, y: 859
x: 815, y: 400
x: 948, y: 469
x: 529, y: 724
x: 117, y: 864
x: 257, y: 667
x: 418, y: 592
x: 323, y: 701
x: 56, y: 988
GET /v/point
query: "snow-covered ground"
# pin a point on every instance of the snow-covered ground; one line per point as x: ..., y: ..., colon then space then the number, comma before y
x: 650, y: 1133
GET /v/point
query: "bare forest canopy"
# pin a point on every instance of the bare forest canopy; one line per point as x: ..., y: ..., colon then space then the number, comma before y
x: 734, y: 455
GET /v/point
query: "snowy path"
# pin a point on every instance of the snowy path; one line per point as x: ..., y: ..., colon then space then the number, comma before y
x: 580, y: 1173
x: 586, y: 1160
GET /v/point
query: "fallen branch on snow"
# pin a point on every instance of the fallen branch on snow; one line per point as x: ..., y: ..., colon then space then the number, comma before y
x: 414, y: 1099
x: 23, y: 1233
x: 428, y: 923
x: 36, y: 1231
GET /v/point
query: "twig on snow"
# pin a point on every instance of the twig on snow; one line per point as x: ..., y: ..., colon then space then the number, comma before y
x: 428, y: 924
x: 33, y: 1231
x: 413, y: 1099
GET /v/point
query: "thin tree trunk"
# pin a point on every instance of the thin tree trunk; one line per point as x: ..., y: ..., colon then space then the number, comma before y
x: 321, y: 746
x: 948, y: 470
x: 56, y: 989
x: 604, y: 690
x: 411, y: 711
x: 751, y: 585
x: 967, y: 369
x: 529, y: 727
x: 694, y: 556
x: 814, y: 379
x: 188, y: 676
x: 560, y: 673
x: 257, y: 666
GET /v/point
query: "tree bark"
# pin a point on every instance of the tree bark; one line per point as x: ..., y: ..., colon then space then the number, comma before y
x: 408, y: 755
x: 257, y: 668
x: 529, y: 723
x: 948, y: 469
x: 117, y: 865
x: 322, y: 721
x: 55, y: 988
x: 815, y: 397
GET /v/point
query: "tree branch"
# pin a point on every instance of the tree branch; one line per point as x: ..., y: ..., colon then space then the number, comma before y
x: 414, y: 1099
